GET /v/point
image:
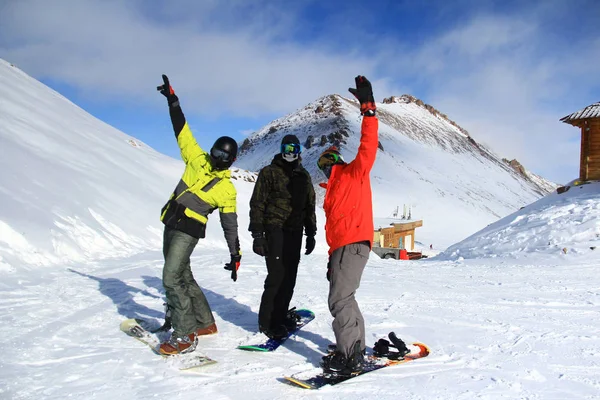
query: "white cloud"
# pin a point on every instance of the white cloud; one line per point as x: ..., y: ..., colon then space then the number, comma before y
x: 110, y: 48
x: 507, y: 81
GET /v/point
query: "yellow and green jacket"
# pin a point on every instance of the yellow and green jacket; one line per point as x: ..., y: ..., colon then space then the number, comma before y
x: 201, y: 189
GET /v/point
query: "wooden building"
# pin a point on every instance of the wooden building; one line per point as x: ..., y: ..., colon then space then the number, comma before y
x: 400, y: 235
x: 588, y: 120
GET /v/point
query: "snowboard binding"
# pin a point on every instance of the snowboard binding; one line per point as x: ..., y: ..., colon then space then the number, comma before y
x: 167, y: 325
x: 292, y: 314
x: 292, y: 320
x: 382, y: 348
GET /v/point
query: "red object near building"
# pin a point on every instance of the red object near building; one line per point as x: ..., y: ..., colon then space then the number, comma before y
x: 403, y: 254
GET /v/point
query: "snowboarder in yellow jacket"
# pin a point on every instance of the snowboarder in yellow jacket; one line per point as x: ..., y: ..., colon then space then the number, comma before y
x: 204, y: 187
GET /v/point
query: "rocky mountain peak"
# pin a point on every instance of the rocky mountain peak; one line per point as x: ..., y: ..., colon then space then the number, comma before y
x: 320, y: 123
x: 408, y: 99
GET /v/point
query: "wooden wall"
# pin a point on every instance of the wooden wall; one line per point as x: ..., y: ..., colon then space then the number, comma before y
x: 589, y: 165
x: 392, y: 238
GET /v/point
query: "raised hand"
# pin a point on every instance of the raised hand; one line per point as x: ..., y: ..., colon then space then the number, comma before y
x: 364, y: 94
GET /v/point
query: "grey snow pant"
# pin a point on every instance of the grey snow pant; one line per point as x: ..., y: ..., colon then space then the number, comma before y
x: 189, y: 308
x: 347, y: 265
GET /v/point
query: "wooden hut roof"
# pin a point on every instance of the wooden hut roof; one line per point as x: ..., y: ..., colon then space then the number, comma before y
x: 591, y: 111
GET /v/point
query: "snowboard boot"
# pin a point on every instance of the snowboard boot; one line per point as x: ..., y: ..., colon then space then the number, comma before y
x: 277, y: 332
x: 337, y: 365
x: 209, y: 330
x: 332, y: 348
x: 179, y: 345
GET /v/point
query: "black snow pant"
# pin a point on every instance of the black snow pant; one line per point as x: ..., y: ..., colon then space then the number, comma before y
x: 282, y: 268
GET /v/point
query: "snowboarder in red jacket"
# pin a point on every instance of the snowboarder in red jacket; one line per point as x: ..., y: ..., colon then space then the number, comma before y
x: 349, y: 232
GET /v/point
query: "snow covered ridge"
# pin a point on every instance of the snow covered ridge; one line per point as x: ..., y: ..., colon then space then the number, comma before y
x: 326, y: 122
x: 456, y: 185
x: 407, y: 99
x: 566, y: 223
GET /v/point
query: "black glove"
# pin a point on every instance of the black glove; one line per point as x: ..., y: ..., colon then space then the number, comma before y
x: 234, y: 265
x: 329, y: 271
x: 166, y: 90
x: 260, y: 244
x: 364, y: 94
x: 310, y: 244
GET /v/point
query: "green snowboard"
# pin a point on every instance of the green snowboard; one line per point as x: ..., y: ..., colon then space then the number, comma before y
x: 272, y: 344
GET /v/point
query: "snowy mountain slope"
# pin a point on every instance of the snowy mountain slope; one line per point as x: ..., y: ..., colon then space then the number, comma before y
x: 454, y: 184
x: 558, y: 223
x: 74, y: 188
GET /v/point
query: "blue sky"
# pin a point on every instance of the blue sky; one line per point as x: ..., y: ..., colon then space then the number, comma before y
x: 507, y: 71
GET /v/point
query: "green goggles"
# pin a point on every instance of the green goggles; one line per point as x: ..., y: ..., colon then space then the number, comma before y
x: 291, y: 148
x: 330, y: 158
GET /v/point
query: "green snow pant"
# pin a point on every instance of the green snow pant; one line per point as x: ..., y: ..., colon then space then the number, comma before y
x: 189, y: 308
x: 347, y: 265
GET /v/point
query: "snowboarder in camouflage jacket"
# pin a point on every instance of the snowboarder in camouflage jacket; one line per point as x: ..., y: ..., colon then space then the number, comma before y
x: 281, y: 207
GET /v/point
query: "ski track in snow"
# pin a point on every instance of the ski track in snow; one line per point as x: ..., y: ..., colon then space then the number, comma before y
x: 495, y: 331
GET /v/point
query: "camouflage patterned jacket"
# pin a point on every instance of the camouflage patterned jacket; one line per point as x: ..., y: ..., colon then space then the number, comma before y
x: 283, y: 197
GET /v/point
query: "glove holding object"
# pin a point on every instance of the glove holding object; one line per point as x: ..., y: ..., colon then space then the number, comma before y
x: 234, y: 265
x: 364, y: 94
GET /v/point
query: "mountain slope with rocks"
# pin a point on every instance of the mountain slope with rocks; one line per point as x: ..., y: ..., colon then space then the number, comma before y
x: 425, y: 162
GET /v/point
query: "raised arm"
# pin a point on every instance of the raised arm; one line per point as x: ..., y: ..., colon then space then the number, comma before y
x: 369, y: 135
x: 185, y: 139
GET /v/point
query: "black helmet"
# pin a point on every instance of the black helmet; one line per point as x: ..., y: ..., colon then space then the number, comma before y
x: 223, y: 152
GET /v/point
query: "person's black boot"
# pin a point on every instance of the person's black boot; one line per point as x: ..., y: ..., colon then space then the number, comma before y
x: 334, y: 365
x: 356, y: 360
x: 277, y: 332
x: 337, y: 365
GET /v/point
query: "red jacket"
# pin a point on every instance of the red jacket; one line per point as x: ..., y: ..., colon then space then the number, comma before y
x: 348, y: 204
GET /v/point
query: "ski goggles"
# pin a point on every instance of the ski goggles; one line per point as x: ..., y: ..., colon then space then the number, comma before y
x: 220, y: 155
x: 291, y: 148
x: 330, y: 158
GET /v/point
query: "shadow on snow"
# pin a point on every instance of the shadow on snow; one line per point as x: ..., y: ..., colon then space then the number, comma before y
x: 230, y: 310
x: 122, y: 296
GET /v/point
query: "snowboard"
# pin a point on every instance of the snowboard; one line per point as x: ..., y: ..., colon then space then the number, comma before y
x: 312, y: 380
x: 271, y: 344
x: 186, y: 362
